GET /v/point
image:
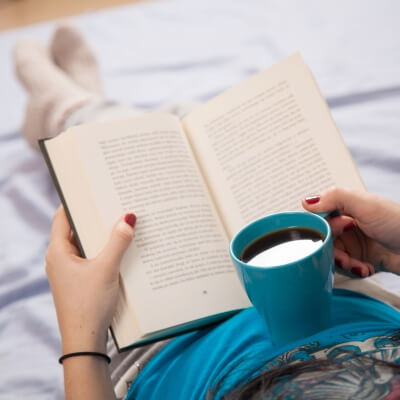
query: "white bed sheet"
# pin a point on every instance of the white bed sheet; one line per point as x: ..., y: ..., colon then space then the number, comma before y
x: 156, y: 53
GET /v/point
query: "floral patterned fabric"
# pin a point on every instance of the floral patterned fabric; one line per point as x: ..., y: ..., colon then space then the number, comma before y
x: 355, y: 377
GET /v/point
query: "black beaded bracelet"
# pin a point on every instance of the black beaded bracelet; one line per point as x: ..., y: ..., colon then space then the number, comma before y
x: 84, y: 353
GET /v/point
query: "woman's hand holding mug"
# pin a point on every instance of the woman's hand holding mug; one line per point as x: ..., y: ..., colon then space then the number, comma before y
x: 366, y: 231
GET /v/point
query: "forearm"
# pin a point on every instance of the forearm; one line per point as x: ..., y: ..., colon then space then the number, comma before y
x: 85, y: 293
x: 87, y: 377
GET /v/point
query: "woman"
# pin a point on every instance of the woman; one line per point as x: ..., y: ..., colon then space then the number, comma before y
x: 356, y: 358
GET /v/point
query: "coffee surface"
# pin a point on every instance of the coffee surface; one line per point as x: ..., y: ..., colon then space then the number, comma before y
x: 282, y: 247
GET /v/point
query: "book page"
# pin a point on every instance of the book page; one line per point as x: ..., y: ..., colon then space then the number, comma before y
x: 67, y: 169
x: 83, y: 214
x: 267, y: 143
x: 178, y: 267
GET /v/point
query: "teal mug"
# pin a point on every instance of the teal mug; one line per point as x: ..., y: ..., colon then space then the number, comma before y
x: 295, y: 298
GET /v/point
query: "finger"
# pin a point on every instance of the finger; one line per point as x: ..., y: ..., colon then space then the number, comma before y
x: 392, y: 263
x: 371, y: 268
x: 357, y: 267
x: 341, y: 224
x: 60, y: 236
x: 347, y: 202
x: 60, y: 229
x: 119, y: 241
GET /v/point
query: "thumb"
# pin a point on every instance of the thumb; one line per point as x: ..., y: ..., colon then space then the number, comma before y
x: 347, y: 202
x: 119, y: 241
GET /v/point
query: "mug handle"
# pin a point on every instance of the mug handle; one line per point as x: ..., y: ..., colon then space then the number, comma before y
x: 334, y: 213
x: 323, y: 214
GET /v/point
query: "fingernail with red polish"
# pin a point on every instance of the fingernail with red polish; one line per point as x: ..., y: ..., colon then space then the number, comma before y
x: 357, y: 271
x: 348, y: 227
x: 338, y: 263
x: 312, y: 199
x: 130, y: 219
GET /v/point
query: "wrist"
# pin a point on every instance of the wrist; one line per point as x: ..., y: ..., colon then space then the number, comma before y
x: 84, y: 341
x: 87, y: 377
x: 103, y: 356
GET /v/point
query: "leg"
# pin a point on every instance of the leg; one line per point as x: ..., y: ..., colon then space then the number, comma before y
x: 64, y: 86
x: 59, y: 95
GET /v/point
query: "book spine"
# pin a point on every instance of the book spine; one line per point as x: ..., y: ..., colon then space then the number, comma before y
x: 47, y: 159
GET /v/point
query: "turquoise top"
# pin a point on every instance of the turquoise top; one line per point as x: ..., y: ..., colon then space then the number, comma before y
x: 238, y: 348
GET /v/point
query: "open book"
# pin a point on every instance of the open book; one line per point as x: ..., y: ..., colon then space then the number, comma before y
x: 257, y: 148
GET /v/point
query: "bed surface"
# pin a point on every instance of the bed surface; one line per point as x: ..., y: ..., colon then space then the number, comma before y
x: 163, y: 52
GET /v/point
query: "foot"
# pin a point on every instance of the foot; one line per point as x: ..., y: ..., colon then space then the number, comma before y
x: 71, y: 53
x: 52, y: 94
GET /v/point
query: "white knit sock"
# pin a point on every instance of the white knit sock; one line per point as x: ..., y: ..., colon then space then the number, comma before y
x: 72, y: 54
x: 52, y: 94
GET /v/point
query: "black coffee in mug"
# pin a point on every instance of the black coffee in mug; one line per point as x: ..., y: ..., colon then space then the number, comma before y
x: 282, y: 247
